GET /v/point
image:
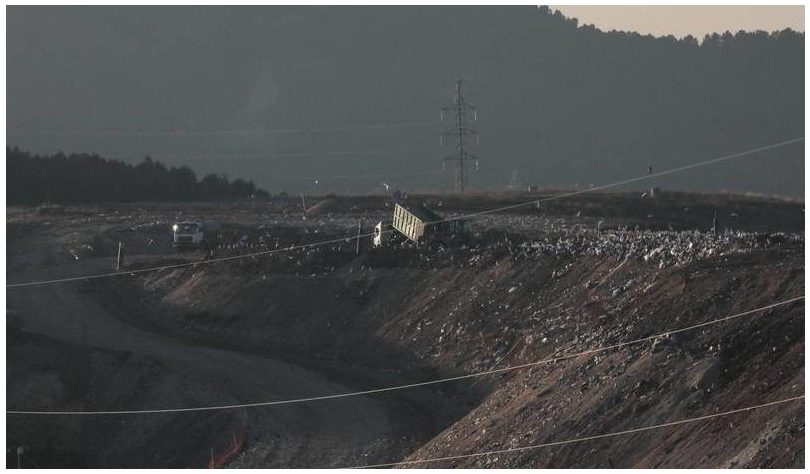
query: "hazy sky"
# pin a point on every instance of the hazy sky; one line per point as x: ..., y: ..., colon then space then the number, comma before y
x: 284, y: 95
x: 683, y: 20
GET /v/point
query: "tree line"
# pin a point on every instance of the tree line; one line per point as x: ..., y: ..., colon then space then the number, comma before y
x: 88, y: 178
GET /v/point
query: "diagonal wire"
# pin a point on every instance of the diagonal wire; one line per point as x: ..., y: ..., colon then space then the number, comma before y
x: 406, y: 386
x: 464, y: 216
x: 190, y: 264
x: 588, y: 438
x: 626, y: 181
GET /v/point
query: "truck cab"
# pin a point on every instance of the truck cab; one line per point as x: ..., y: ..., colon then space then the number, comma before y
x: 188, y: 235
x: 383, y: 235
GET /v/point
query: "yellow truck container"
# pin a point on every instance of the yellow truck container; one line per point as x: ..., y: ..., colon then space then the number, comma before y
x: 421, y: 225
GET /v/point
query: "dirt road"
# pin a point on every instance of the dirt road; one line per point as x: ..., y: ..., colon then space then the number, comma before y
x: 331, y: 433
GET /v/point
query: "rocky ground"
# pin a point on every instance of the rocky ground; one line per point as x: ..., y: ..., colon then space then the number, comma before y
x: 532, y: 286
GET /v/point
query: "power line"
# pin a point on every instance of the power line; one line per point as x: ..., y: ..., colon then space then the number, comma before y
x: 627, y: 181
x: 464, y: 216
x: 369, y: 176
x: 406, y: 386
x: 189, y: 264
x: 126, y: 132
x: 503, y: 357
x: 291, y: 154
x: 587, y: 438
x: 357, y: 176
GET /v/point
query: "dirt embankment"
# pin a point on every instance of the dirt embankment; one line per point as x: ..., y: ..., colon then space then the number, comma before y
x: 48, y: 374
x: 391, y: 318
x: 107, y: 364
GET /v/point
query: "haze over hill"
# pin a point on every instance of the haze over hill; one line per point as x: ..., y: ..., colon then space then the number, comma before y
x: 682, y: 20
x: 284, y: 95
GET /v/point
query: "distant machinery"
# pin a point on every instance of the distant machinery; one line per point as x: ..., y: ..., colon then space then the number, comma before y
x: 196, y: 234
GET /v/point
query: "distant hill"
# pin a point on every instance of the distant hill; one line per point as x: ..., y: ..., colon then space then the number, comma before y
x: 82, y: 178
x: 558, y: 103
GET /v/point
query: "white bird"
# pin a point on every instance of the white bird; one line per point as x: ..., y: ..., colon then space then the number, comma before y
x: 386, y: 186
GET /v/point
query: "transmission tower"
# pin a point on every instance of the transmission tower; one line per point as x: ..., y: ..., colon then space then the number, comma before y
x: 464, y: 132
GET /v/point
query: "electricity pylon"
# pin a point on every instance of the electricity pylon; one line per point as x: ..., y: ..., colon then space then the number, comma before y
x: 463, y: 131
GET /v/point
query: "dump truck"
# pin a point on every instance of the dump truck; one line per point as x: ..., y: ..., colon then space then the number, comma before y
x: 196, y: 234
x: 426, y: 228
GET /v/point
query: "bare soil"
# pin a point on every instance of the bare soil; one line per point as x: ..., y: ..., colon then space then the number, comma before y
x: 326, y: 320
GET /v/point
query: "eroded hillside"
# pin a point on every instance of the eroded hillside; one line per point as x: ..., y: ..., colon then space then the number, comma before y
x: 533, y: 290
x: 401, y: 317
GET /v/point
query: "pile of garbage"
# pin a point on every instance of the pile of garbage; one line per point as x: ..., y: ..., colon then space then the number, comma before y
x: 664, y: 248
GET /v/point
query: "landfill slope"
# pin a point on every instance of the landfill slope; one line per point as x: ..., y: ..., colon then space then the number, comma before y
x: 399, y: 316
x: 747, y: 361
x: 323, y: 320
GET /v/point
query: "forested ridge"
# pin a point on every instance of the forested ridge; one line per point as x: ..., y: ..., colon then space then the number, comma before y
x: 559, y: 103
x: 89, y: 178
